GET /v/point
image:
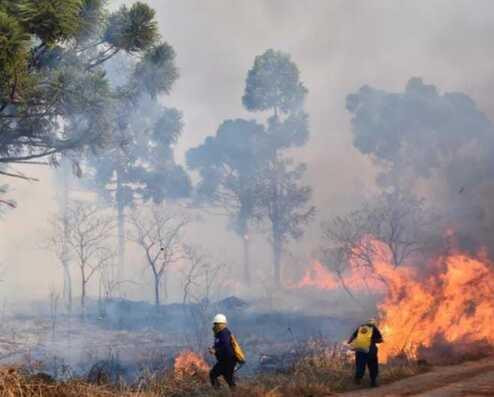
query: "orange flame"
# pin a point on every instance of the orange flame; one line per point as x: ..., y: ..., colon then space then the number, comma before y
x: 356, y: 279
x: 453, y: 305
x: 318, y: 276
x: 189, y: 363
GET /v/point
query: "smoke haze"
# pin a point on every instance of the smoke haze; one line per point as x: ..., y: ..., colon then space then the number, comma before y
x: 339, y: 46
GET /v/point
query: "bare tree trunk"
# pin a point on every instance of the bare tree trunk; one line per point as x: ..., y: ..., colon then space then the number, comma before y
x: 156, y: 290
x: 67, y: 286
x: 164, y: 282
x: 121, y: 230
x: 277, y: 251
x: 247, y: 275
x: 246, y: 248
x: 83, y: 300
x: 67, y: 280
x: 54, y: 297
x: 121, y: 241
x: 83, y: 292
x: 277, y: 236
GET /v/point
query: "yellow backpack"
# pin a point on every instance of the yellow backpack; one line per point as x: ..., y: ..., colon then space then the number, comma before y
x: 363, y: 339
x: 237, y: 350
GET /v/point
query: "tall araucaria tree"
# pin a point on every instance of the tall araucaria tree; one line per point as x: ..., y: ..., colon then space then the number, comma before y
x: 137, y: 159
x: 229, y: 164
x: 54, y: 94
x: 139, y: 165
x: 273, y: 84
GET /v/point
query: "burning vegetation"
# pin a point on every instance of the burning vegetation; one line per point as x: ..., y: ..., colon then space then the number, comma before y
x: 319, y: 370
x: 318, y: 276
x: 84, y: 91
x: 426, y: 309
x: 188, y: 364
x: 449, y: 310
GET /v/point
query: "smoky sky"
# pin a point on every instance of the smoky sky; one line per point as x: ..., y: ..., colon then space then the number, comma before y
x: 419, y: 131
x: 440, y: 139
x: 339, y: 46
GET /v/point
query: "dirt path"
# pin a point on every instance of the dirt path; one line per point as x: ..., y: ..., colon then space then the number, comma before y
x: 468, y: 379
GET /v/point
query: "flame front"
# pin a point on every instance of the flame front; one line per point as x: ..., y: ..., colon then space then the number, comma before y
x: 318, y: 276
x: 443, y: 306
x: 189, y: 363
x: 358, y: 278
x: 453, y: 305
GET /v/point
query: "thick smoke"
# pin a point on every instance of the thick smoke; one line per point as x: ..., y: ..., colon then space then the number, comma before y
x: 432, y: 144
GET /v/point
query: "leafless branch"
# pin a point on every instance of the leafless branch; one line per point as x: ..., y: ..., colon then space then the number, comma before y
x: 158, y: 230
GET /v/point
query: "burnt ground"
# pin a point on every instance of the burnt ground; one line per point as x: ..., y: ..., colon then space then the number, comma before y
x: 130, y: 336
x: 474, y: 378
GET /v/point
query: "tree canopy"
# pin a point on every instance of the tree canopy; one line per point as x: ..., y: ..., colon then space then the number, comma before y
x: 245, y: 170
x: 229, y: 165
x: 273, y: 83
x: 139, y: 163
x: 54, y: 93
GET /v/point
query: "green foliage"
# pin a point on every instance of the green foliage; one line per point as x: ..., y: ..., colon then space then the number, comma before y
x: 234, y: 147
x: 133, y: 29
x: 273, y: 83
x: 91, y: 19
x: 14, y: 44
x: 50, y: 20
x: 54, y: 93
x: 242, y: 169
x: 82, y: 95
x: 229, y: 165
x: 157, y: 71
x: 285, y: 200
x: 292, y: 131
x: 168, y: 127
x: 138, y: 162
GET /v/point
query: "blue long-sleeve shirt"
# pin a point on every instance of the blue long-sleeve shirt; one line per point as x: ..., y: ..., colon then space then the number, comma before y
x: 223, y: 346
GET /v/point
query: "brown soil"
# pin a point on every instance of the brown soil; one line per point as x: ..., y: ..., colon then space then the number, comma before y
x: 474, y: 378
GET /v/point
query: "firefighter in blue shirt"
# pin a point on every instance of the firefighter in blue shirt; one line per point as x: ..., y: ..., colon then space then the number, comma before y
x: 223, y: 351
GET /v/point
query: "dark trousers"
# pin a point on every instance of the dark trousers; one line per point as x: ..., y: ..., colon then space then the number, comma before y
x: 225, y: 369
x: 366, y: 359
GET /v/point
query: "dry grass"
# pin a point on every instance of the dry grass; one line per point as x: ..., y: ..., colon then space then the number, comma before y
x: 320, y: 371
x: 15, y: 383
x: 323, y: 371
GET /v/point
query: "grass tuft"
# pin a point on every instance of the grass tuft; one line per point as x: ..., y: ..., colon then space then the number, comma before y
x: 319, y: 371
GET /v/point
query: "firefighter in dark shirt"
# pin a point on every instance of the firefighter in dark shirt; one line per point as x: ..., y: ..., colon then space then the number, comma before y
x: 223, y: 351
x: 368, y: 358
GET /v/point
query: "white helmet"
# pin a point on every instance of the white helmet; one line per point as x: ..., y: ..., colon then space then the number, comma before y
x: 219, y: 319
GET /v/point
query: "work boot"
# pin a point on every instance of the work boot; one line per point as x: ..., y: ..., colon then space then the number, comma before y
x: 374, y: 383
x: 215, y: 383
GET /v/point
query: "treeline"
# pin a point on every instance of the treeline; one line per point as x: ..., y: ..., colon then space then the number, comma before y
x: 81, y: 88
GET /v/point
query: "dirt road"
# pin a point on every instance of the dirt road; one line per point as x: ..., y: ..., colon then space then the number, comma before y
x: 468, y: 379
